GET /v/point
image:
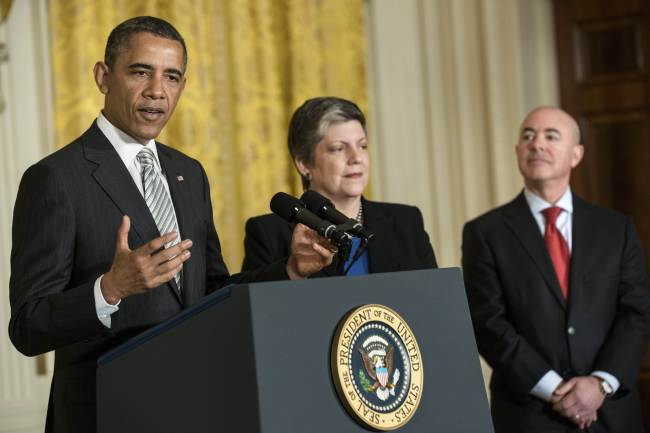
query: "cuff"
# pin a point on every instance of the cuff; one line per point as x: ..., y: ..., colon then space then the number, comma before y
x: 613, y: 381
x: 103, y: 308
x: 546, y: 385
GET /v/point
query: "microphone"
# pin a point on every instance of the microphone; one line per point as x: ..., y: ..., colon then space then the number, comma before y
x: 324, y: 208
x: 292, y: 209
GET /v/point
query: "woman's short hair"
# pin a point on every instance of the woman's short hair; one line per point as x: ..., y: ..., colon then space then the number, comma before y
x: 310, y: 122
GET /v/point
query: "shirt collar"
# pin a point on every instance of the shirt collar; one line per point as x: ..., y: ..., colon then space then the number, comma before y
x: 538, y: 204
x: 126, y: 146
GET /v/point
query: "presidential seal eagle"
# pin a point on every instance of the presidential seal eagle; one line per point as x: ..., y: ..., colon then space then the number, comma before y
x: 377, y: 357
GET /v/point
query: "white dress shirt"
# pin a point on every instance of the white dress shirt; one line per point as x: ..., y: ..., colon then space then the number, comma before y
x: 127, y: 148
x: 564, y: 223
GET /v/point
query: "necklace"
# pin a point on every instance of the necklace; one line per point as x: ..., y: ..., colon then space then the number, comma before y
x: 360, y: 213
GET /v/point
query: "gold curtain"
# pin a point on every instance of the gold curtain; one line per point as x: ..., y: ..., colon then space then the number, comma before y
x: 251, y: 63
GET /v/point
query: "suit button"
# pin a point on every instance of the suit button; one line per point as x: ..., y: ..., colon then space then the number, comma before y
x: 571, y: 330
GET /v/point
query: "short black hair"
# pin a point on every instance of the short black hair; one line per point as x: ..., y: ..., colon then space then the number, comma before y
x: 120, y: 35
x: 309, y: 124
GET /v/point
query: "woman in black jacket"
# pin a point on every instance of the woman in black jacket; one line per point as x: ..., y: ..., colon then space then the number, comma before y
x: 329, y: 146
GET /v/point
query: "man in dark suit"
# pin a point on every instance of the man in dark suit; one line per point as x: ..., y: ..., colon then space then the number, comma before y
x: 558, y: 294
x: 76, y: 289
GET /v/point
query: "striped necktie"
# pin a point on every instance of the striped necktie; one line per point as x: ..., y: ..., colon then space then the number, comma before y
x: 158, y: 200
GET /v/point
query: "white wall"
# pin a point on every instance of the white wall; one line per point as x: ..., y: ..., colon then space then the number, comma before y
x: 24, y: 139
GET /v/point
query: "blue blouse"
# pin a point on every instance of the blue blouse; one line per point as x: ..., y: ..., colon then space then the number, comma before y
x: 360, y: 267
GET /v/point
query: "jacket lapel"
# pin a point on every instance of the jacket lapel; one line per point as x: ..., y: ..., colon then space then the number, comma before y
x: 521, y: 222
x: 582, y: 243
x: 116, y: 181
x: 380, y: 249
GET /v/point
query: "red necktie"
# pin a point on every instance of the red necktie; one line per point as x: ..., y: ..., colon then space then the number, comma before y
x: 557, y: 248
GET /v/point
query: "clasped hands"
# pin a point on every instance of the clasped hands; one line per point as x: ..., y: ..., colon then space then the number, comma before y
x: 579, y: 399
x: 140, y: 270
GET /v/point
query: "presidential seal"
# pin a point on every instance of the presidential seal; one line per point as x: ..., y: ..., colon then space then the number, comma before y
x: 377, y: 367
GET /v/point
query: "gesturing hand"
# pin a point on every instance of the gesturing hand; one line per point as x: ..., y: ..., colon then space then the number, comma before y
x: 140, y: 270
x: 310, y: 253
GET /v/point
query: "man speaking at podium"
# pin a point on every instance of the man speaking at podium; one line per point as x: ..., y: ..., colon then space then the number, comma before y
x: 559, y: 297
x: 114, y: 233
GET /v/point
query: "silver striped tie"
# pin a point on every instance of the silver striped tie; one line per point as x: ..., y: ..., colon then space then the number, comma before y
x: 158, y: 200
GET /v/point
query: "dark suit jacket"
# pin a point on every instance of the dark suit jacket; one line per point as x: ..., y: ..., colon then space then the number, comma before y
x: 66, y: 217
x: 524, y: 327
x: 400, y: 244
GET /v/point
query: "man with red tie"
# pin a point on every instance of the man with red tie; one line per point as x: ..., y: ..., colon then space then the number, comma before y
x: 558, y: 293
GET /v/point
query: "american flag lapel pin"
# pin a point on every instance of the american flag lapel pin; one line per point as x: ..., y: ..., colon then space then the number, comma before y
x: 180, y: 178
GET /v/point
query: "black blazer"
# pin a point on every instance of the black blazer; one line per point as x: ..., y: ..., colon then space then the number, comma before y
x: 400, y: 243
x: 524, y: 327
x: 67, y: 213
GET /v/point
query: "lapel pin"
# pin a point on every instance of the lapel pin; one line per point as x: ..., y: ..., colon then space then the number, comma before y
x: 180, y: 178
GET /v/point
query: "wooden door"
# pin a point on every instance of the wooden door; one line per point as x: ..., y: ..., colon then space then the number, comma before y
x: 603, y: 51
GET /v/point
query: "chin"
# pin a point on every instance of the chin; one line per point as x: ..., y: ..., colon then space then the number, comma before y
x: 148, y: 135
x: 355, y: 189
x: 537, y: 174
x: 353, y: 194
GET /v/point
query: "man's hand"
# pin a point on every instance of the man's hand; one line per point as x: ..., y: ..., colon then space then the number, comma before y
x: 140, y: 270
x: 310, y: 253
x: 579, y: 399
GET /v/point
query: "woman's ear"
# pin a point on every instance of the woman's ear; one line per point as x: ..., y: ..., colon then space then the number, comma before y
x: 303, y: 168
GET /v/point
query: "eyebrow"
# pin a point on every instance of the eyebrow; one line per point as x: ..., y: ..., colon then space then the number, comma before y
x: 547, y: 130
x: 344, y: 141
x: 148, y: 67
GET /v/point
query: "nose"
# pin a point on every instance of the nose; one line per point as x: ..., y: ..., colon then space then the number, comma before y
x: 537, y: 143
x: 155, y: 88
x: 354, y: 155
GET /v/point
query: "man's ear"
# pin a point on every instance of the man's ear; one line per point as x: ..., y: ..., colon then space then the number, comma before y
x: 101, y: 71
x: 578, y: 153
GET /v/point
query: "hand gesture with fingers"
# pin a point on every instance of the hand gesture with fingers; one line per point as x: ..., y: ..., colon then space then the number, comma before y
x: 310, y: 253
x: 140, y: 270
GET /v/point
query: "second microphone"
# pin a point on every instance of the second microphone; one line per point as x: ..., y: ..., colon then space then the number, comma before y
x: 293, y: 210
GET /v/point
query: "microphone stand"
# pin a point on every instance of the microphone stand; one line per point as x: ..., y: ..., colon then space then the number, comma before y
x: 362, y: 249
x: 343, y: 255
x: 344, y: 251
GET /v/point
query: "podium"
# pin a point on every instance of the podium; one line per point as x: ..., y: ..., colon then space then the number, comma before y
x: 256, y: 358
